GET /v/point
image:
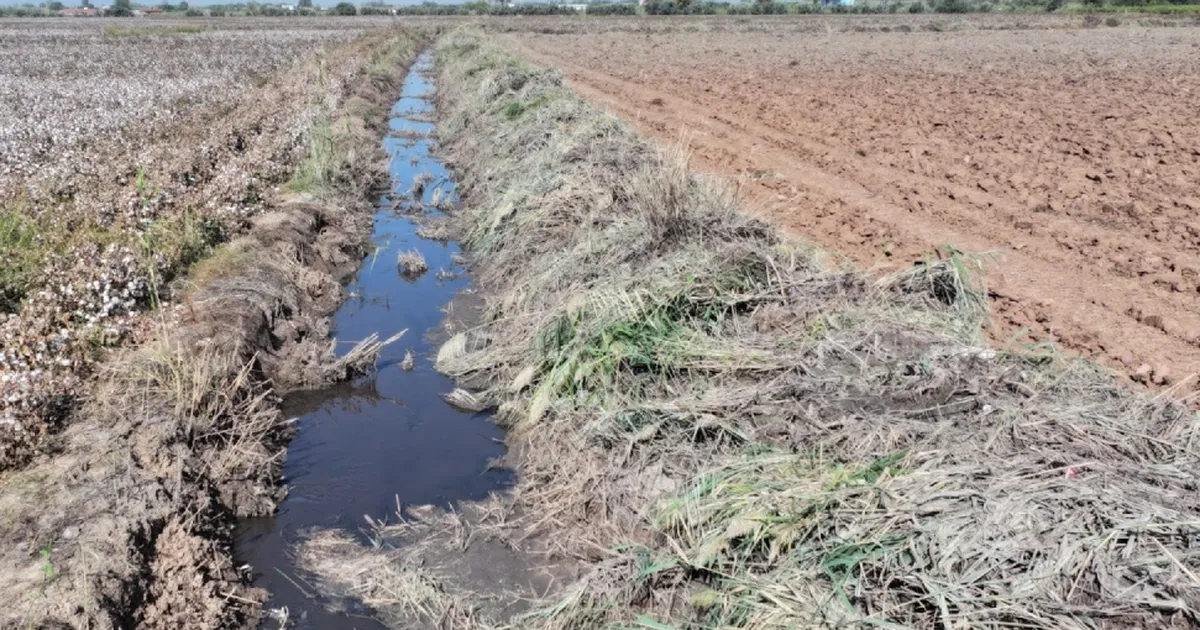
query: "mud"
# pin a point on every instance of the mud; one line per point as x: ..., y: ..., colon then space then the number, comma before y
x: 1068, y: 156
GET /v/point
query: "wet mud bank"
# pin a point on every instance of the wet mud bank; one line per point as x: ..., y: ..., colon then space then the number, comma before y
x: 363, y: 449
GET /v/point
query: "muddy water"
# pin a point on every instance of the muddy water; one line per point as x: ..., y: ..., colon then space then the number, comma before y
x: 365, y: 446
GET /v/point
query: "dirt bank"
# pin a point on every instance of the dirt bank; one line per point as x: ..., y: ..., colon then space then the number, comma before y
x: 724, y: 433
x: 1069, y: 154
x: 126, y: 521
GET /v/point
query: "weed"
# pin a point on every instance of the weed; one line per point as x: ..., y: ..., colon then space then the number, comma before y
x: 319, y: 167
x: 21, y: 257
x: 48, y: 571
x: 222, y: 261
x: 515, y: 109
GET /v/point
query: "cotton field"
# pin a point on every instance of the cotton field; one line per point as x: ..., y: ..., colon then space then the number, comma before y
x: 65, y: 89
x: 127, y: 150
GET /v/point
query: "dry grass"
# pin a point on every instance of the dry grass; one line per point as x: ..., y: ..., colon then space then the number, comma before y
x: 418, y: 186
x: 436, y: 229
x: 736, y: 437
x: 418, y: 572
x: 361, y: 359
x: 384, y: 582
x: 411, y: 263
x: 201, y: 412
x: 468, y: 401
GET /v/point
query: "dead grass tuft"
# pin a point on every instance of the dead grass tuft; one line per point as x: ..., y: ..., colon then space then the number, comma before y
x: 431, y: 569
x: 950, y: 279
x: 361, y: 359
x: 202, y: 412
x: 412, y: 263
x: 436, y: 229
x: 383, y: 582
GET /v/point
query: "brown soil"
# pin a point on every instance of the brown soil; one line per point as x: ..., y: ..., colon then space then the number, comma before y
x: 1071, y: 155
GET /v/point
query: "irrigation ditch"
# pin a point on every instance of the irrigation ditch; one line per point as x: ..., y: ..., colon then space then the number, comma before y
x: 387, y: 439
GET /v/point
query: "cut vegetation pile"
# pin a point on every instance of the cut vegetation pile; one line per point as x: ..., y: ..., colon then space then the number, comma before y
x: 727, y: 434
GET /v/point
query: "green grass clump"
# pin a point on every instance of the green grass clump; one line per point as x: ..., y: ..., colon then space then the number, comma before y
x: 515, y: 109
x: 183, y: 238
x: 114, y: 30
x: 21, y: 257
x: 320, y: 165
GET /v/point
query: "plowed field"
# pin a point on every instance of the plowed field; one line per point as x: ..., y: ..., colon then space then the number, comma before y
x: 1072, y: 156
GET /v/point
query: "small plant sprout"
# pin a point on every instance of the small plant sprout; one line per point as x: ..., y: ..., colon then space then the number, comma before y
x: 48, y: 572
x: 376, y: 252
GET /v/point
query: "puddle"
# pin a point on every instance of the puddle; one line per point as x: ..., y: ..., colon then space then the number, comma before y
x: 362, y: 447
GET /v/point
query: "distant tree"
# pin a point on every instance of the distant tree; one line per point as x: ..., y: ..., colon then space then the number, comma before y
x: 184, y: 6
x: 55, y: 6
x: 952, y: 6
x: 345, y: 8
x: 121, y: 8
x: 305, y: 4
